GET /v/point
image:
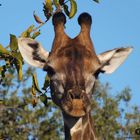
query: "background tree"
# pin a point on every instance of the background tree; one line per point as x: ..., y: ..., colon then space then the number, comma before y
x: 19, y: 120
x: 26, y: 112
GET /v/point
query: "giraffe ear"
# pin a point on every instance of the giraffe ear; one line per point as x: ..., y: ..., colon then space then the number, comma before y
x: 32, y: 52
x: 112, y: 59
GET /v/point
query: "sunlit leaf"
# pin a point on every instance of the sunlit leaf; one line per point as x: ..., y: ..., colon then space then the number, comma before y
x: 43, y: 98
x: 73, y: 9
x: 18, y: 64
x: 18, y: 56
x: 37, y: 19
x: 34, y: 99
x: 13, y: 43
x: 47, y: 12
x: 33, y: 91
x: 48, y: 4
x: 35, y: 82
x: 28, y: 31
x: 3, y: 50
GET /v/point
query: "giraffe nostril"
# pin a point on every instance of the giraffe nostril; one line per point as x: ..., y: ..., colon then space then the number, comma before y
x: 77, y: 95
x: 73, y: 94
x: 69, y: 97
x: 70, y: 94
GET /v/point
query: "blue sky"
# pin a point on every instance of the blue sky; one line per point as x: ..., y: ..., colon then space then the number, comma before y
x: 116, y: 23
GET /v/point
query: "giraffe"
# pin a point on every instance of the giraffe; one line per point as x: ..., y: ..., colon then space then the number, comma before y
x: 73, y: 66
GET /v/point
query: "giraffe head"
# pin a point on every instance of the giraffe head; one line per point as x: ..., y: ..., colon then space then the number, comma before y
x: 72, y: 64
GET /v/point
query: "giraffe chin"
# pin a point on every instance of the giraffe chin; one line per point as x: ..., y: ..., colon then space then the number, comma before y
x: 76, y: 108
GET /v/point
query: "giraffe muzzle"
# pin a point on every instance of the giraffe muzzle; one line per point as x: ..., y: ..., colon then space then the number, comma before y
x: 76, y: 104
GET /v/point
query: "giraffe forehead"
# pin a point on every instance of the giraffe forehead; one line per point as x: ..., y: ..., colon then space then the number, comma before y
x: 73, y: 58
x: 73, y: 65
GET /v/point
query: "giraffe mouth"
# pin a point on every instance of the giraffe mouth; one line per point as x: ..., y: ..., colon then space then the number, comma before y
x: 76, y: 107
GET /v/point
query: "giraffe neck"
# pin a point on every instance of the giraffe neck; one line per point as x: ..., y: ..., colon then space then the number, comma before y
x: 79, y: 128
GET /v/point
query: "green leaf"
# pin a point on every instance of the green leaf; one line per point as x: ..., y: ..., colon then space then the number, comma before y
x: 3, y: 50
x: 96, y: 1
x: 18, y: 55
x: 46, y: 83
x: 18, y: 64
x: 27, y: 33
x: 43, y: 98
x: 33, y: 91
x: 66, y: 10
x: 47, y: 12
x: 34, y: 99
x: 56, y: 3
x: 35, y: 82
x: 48, y: 4
x: 73, y: 9
x: 13, y: 43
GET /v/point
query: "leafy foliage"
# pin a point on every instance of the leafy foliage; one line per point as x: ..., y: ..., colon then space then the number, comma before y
x: 73, y: 9
x: 110, y: 114
x: 35, y: 89
x: 12, y: 59
x: 50, y: 7
x: 20, y: 121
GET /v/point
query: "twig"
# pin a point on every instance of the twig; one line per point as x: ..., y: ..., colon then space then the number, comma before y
x: 59, y: 9
x: 35, y: 29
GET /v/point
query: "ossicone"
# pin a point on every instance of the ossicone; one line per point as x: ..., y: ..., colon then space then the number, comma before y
x: 59, y: 18
x: 85, y: 18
